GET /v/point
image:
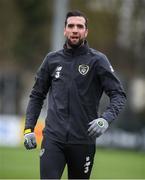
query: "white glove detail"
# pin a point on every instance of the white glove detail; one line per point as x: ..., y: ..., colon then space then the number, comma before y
x: 30, y: 141
x: 97, y: 127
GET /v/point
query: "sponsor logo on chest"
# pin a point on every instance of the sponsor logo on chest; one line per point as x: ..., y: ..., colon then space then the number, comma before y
x: 57, y: 71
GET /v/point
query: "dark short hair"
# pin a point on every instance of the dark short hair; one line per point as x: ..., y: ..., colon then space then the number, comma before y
x: 76, y: 13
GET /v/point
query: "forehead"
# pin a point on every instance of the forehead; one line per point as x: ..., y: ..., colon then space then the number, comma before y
x: 76, y: 20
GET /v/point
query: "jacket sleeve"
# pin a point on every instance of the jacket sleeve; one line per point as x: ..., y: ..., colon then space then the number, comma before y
x: 37, y: 95
x: 112, y: 87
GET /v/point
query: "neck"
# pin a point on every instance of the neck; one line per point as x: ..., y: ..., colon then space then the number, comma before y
x: 69, y: 46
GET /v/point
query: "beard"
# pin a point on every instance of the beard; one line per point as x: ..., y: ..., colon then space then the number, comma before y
x: 74, y: 45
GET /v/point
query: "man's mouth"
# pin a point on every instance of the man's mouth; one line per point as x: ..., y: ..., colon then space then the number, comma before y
x: 74, y: 37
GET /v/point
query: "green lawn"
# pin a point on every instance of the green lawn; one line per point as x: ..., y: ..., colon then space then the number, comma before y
x: 17, y: 163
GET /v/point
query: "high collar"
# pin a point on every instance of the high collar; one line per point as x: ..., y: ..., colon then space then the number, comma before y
x: 83, y: 49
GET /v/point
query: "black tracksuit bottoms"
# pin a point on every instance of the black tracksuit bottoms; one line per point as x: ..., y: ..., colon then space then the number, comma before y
x: 55, y: 155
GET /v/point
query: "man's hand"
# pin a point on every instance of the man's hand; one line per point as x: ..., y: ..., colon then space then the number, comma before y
x: 29, y: 139
x: 97, y: 127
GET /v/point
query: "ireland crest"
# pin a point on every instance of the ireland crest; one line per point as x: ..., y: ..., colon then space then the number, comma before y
x: 83, y: 69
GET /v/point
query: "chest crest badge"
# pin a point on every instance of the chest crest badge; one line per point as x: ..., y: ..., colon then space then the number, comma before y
x: 83, y: 69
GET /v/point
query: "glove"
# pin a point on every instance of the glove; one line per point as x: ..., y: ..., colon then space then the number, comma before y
x: 97, y: 127
x: 29, y: 139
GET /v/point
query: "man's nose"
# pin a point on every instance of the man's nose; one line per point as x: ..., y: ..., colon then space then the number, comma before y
x: 75, y: 29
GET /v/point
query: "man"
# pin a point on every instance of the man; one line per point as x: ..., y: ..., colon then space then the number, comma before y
x: 75, y: 76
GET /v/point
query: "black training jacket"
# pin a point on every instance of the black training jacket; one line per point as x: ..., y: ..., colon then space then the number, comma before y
x: 74, y: 80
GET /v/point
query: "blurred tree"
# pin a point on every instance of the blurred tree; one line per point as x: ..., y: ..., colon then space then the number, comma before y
x: 33, y: 41
x: 131, y: 35
x: 10, y: 23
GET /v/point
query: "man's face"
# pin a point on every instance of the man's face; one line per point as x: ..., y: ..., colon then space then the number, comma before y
x: 75, y: 30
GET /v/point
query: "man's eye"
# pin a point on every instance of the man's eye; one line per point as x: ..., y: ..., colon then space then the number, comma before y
x: 70, y: 25
x: 80, y: 26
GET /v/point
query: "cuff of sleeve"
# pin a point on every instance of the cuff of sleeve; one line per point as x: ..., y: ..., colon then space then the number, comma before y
x: 108, y: 119
x: 26, y: 131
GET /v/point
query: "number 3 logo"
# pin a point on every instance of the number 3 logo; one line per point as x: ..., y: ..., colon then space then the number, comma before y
x: 87, y: 165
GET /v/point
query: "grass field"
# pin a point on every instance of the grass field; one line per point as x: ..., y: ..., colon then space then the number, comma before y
x: 17, y: 163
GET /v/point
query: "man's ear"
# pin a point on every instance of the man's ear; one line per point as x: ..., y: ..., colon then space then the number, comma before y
x: 86, y: 34
x: 64, y: 32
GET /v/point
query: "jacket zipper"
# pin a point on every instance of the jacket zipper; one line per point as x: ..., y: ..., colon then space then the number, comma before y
x: 69, y: 88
